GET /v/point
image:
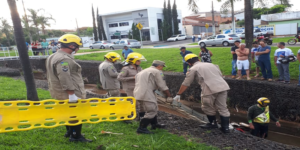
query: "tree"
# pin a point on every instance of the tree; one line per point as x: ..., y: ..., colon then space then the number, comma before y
x: 102, y: 28
x: 169, y: 13
x: 241, y: 23
x: 257, y: 12
x: 44, y: 21
x: 193, y: 6
x: 6, y: 29
x: 165, y: 26
x: 175, y: 20
x: 99, y: 26
x: 24, y: 58
x: 248, y: 4
x: 94, y: 25
x: 26, y: 23
x: 34, y: 19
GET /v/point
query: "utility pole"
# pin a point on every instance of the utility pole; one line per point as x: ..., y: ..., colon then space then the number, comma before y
x: 232, y: 17
x: 78, y: 32
x: 26, y: 24
x: 213, y: 19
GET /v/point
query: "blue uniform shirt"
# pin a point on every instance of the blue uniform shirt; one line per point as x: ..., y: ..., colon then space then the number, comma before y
x: 127, y: 52
x: 183, y: 55
x: 264, y: 56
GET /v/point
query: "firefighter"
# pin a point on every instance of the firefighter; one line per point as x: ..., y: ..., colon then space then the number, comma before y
x: 214, y: 91
x: 146, y: 82
x: 127, y: 76
x: 108, y: 74
x: 65, y: 80
x: 259, y: 117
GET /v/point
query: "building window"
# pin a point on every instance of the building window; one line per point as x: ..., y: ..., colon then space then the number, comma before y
x: 112, y: 25
x: 179, y: 21
x: 124, y: 36
x: 121, y: 24
x: 114, y: 37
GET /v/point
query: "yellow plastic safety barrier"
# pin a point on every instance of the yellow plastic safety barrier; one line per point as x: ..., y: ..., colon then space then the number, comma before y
x: 27, y: 115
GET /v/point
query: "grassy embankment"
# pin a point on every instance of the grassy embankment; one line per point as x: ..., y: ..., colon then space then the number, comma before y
x: 221, y: 57
x: 53, y: 139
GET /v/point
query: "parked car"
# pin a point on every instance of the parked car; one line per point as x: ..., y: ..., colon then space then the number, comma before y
x: 100, y: 44
x: 177, y: 37
x: 130, y: 43
x: 220, y: 39
x: 243, y: 35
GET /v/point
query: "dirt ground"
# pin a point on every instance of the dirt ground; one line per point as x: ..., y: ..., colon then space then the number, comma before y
x: 234, y: 140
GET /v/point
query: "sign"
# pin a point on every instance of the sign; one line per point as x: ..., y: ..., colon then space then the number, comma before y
x: 117, y: 34
x: 139, y: 26
x: 263, y: 28
x: 206, y: 26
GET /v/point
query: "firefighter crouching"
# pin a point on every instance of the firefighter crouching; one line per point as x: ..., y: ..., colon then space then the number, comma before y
x: 146, y: 82
x: 65, y: 80
x: 259, y: 117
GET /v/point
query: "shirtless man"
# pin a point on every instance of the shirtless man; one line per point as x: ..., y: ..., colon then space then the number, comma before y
x: 242, y: 60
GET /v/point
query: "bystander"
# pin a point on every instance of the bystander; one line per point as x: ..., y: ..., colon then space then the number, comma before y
x: 254, y: 49
x: 263, y: 54
x: 185, y: 64
x: 283, y: 66
x: 234, y: 59
x: 45, y: 47
x: 205, y: 55
x: 242, y: 61
x: 126, y: 51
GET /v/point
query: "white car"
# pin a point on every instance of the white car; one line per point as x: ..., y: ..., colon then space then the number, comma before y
x: 130, y: 43
x: 100, y: 45
x: 177, y: 37
x: 220, y: 39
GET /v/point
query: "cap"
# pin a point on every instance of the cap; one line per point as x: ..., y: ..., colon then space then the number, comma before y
x: 182, y: 48
x: 159, y: 63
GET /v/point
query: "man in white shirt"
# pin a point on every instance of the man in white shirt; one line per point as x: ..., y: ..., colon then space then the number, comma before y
x: 283, y: 67
x: 199, y: 37
x: 255, y: 58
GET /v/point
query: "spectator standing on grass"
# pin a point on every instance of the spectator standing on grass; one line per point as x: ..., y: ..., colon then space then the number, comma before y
x: 185, y: 64
x: 205, y: 55
x: 283, y: 67
x: 193, y: 38
x: 254, y: 49
x: 34, y: 48
x: 126, y: 51
x: 45, y: 47
x: 263, y: 54
x: 242, y: 61
x: 199, y: 37
x: 27, y: 45
x: 54, y: 48
x: 234, y: 59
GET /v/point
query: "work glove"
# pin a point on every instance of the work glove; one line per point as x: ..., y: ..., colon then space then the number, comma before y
x: 73, y: 98
x: 169, y: 100
x: 177, y: 98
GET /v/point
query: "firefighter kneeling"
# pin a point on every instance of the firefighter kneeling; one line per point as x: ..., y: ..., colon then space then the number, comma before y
x: 259, y: 118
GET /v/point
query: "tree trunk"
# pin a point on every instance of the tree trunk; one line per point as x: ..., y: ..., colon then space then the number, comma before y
x: 248, y: 25
x: 24, y: 59
x: 232, y: 17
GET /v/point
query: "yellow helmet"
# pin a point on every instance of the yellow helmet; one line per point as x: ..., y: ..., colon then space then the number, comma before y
x: 113, y: 56
x: 189, y: 56
x: 263, y: 100
x: 133, y: 57
x: 70, y: 38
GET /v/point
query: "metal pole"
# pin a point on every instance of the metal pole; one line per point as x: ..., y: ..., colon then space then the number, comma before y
x: 141, y: 39
x: 213, y: 19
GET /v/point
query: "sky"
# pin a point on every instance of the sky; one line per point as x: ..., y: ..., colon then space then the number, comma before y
x: 66, y: 11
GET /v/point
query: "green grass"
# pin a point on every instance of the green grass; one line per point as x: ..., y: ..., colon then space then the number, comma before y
x: 221, y: 57
x: 275, y: 40
x: 12, y: 89
x: 52, y: 139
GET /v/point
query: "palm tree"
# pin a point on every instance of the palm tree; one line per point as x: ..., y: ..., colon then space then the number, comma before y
x: 34, y: 18
x: 24, y: 58
x: 193, y: 6
x: 6, y: 28
x: 44, y: 21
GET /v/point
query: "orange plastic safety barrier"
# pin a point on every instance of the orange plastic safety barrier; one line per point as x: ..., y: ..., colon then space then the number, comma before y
x: 27, y: 115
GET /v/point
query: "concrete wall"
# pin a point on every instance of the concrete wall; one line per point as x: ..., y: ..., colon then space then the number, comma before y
x: 243, y: 93
x: 281, y: 16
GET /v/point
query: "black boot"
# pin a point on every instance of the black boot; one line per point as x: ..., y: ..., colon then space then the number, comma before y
x: 154, y: 124
x: 225, y: 124
x: 68, y: 133
x: 141, y: 115
x: 76, y: 134
x: 212, y: 123
x: 143, y: 126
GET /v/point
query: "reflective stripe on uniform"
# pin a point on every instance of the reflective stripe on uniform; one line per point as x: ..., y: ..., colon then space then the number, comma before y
x: 263, y: 117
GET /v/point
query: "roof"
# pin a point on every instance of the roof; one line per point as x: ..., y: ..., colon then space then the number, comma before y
x: 195, y: 21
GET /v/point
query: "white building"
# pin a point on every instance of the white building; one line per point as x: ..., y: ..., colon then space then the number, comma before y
x: 149, y: 17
